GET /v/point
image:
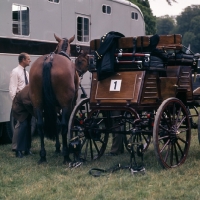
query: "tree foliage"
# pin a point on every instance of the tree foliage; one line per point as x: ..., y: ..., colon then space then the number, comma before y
x: 188, y: 26
x: 165, y: 25
x: 150, y: 20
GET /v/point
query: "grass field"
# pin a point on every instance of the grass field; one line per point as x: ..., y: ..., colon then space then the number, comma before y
x: 25, y: 179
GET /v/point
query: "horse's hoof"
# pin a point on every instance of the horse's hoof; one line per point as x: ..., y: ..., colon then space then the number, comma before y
x: 42, y: 161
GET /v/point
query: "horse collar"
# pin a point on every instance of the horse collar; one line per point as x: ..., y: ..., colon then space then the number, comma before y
x: 64, y: 54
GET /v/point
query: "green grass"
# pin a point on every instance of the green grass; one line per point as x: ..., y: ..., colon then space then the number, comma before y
x: 25, y: 179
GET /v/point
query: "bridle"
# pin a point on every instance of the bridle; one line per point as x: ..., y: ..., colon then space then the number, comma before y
x: 64, y: 48
x: 81, y: 72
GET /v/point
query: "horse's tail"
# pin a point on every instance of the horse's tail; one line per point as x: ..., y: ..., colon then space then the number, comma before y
x: 49, y: 102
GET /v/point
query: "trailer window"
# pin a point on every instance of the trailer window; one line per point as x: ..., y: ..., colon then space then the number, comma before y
x: 20, y: 17
x: 106, y: 9
x: 82, y: 29
x: 55, y: 1
x: 134, y: 15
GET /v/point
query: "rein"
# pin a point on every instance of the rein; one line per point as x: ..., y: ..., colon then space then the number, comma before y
x: 62, y: 53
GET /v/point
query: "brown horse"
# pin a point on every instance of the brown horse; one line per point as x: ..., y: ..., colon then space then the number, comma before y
x: 54, y: 84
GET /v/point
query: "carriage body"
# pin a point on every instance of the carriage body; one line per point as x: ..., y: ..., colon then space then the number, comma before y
x: 143, y: 99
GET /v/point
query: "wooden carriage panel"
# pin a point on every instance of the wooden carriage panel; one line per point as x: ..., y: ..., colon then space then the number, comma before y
x: 170, y: 41
x: 173, y: 71
x: 123, y: 88
x: 185, y: 81
x: 150, y: 90
x: 168, y: 86
x: 124, y: 42
x: 165, y: 41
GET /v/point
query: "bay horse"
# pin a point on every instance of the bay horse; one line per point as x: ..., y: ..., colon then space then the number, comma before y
x: 53, y: 85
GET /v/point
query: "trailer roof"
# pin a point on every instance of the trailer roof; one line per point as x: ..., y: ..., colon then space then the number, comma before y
x: 128, y: 3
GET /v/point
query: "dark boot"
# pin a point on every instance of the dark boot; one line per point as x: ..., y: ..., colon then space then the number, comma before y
x: 19, y: 154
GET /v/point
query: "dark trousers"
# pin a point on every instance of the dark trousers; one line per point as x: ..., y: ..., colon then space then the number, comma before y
x: 117, y: 141
x: 24, y: 135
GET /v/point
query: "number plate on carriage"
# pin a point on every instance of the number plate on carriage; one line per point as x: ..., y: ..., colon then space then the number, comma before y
x: 115, y: 85
x: 120, y: 88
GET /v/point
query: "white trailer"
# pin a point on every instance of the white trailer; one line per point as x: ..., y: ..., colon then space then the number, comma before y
x: 29, y: 26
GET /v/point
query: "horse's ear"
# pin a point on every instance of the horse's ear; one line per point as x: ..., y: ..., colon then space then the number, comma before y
x: 71, y: 39
x: 57, y: 38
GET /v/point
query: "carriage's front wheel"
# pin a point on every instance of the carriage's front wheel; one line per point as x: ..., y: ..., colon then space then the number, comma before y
x: 90, y: 127
x: 171, y: 133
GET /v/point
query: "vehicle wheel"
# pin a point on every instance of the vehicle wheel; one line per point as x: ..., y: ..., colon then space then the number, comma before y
x: 171, y: 133
x: 90, y: 127
x: 142, y: 135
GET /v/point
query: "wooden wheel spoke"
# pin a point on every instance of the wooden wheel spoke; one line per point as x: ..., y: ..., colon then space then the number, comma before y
x: 165, y: 120
x: 179, y: 147
x: 96, y: 147
x: 167, y: 154
x: 83, y: 143
x: 171, y: 155
x: 163, y: 148
x: 183, y: 130
x: 176, y: 153
x: 184, y: 141
x: 163, y: 128
x: 91, y: 150
x: 164, y: 137
x: 146, y: 140
x: 181, y: 122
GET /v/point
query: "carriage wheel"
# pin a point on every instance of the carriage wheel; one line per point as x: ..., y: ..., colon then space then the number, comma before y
x: 199, y: 127
x: 140, y: 137
x: 171, y: 133
x: 90, y: 127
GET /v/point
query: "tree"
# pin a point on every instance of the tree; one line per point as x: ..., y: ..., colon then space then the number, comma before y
x: 165, y: 25
x: 188, y: 26
x: 150, y: 20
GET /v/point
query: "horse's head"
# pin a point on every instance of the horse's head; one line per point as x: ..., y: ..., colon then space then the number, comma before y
x: 82, y: 63
x: 63, y: 44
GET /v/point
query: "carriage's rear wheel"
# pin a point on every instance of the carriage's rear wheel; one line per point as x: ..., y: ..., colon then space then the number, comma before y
x: 90, y: 127
x: 171, y: 133
x: 141, y: 135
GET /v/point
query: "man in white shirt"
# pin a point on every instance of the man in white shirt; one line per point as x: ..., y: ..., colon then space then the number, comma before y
x: 18, y: 80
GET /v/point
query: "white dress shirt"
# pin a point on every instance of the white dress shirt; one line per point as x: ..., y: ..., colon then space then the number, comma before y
x: 17, y: 80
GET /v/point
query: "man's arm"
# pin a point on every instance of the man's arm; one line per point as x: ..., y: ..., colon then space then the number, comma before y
x: 13, y: 84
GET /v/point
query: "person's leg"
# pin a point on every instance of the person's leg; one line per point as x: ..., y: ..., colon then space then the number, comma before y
x: 15, y: 136
x: 117, y: 141
x: 28, y: 137
x: 22, y: 139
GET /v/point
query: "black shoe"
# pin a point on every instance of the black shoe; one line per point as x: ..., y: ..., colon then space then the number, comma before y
x: 26, y: 153
x: 19, y: 154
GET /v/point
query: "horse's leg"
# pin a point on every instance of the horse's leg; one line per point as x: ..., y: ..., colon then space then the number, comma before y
x: 57, y: 145
x: 64, y: 125
x: 41, y: 134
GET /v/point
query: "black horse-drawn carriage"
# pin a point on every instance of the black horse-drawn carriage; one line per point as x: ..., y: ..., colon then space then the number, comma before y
x: 147, y: 95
